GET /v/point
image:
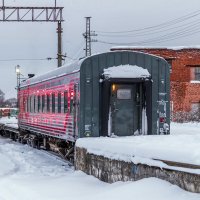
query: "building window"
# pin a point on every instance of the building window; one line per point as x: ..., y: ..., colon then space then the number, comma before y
x: 195, y: 107
x: 59, y: 102
x: 197, y: 73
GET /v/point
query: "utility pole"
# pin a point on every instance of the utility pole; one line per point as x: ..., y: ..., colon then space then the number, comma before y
x: 60, y: 55
x: 88, y: 40
x: 35, y: 14
x: 59, y: 31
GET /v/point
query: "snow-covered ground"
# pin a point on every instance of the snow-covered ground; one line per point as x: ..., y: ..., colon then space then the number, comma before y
x: 29, y: 174
x: 10, y: 121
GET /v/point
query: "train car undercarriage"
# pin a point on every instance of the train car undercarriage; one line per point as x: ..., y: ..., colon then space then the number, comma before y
x: 62, y: 148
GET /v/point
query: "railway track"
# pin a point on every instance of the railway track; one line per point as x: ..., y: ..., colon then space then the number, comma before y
x: 7, y: 130
x: 10, y: 130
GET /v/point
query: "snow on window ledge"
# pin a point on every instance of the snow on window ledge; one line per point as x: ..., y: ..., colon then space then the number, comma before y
x: 194, y: 81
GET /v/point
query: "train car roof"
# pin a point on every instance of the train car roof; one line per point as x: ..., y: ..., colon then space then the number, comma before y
x: 61, y: 71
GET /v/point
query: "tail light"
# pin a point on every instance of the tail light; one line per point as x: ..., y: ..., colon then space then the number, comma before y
x: 162, y: 120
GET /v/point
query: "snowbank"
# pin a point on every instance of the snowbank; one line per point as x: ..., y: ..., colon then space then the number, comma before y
x: 181, y: 146
x: 34, y: 175
x: 9, y: 121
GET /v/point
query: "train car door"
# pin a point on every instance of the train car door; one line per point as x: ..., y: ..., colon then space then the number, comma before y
x: 122, y: 109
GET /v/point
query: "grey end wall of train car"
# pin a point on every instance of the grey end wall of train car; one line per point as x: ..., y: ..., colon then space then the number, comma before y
x: 90, y: 86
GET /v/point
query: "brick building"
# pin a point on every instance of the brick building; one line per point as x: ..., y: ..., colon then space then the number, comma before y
x: 185, y: 76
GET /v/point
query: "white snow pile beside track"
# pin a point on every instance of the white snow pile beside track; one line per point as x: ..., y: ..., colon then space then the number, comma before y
x: 31, y: 174
x: 9, y: 121
x: 181, y: 146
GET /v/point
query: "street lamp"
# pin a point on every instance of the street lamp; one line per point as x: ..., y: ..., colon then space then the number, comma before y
x: 17, y: 70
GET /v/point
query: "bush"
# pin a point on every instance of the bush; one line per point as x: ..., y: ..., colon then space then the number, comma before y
x: 182, y: 117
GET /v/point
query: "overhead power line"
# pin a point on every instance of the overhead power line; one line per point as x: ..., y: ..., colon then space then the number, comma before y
x: 26, y: 59
x: 192, y: 29
x: 153, y: 32
x: 154, y: 41
x: 175, y: 29
x: 158, y: 26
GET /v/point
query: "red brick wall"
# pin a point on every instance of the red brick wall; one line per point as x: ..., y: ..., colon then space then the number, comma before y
x: 183, y: 93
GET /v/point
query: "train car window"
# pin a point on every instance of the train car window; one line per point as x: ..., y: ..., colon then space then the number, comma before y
x: 53, y: 103
x: 43, y: 103
x: 39, y: 104
x: 28, y: 100
x: 29, y: 104
x: 71, y: 101
x: 24, y: 104
x: 123, y: 94
x: 59, y: 102
x: 65, y: 102
x: 48, y: 103
x: 71, y: 105
x: 34, y: 104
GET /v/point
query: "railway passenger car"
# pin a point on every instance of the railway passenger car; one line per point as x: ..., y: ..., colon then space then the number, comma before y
x: 5, y: 112
x: 115, y: 93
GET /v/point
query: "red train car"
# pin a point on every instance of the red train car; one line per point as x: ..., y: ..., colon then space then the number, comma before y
x: 47, y: 104
x: 88, y: 99
x: 4, y: 112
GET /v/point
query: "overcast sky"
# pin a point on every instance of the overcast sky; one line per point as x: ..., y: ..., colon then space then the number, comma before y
x: 39, y: 40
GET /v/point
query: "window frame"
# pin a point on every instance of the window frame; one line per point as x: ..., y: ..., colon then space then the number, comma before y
x: 43, y: 103
x: 196, y: 73
x: 59, y: 102
x: 65, y: 101
x: 53, y: 103
x: 38, y: 103
x: 48, y: 102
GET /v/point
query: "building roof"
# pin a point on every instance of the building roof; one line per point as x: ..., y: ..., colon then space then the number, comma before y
x: 157, y: 47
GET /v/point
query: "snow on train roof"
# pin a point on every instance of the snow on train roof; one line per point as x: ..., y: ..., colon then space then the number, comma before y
x: 65, y: 69
x: 126, y: 71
